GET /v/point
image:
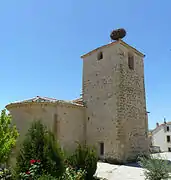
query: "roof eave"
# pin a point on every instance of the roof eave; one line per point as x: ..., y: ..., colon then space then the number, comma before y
x: 134, y: 49
x: 94, y: 50
x: 113, y: 43
x: 9, y: 106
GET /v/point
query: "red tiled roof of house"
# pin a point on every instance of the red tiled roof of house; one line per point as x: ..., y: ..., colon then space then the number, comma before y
x: 160, y: 125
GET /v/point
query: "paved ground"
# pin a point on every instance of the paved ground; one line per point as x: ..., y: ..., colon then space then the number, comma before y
x: 131, y: 172
x: 116, y: 172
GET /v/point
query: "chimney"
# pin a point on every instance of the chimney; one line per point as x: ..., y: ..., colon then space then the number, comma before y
x: 157, y: 124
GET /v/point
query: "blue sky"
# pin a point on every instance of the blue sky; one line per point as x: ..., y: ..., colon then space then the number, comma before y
x: 41, y: 42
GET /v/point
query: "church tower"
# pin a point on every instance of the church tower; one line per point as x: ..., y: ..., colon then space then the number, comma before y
x: 114, y: 95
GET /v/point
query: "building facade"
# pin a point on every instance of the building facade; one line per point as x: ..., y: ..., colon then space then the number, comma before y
x: 161, y: 136
x: 111, y: 115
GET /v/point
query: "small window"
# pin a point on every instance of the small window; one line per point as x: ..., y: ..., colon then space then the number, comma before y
x: 168, y: 138
x: 167, y: 128
x: 101, y: 149
x: 169, y: 149
x: 131, y: 61
x: 99, y: 56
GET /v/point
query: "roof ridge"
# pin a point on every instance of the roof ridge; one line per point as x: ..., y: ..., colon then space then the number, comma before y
x: 113, y: 43
x: 44, y: 97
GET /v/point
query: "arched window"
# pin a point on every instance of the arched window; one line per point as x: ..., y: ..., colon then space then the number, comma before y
x: 131, y: 61
x: 99, y: 56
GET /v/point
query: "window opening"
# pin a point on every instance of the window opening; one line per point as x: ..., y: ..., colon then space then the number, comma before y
x: 101, y: 148
x: 100, y: 56
x: 131, y: 61
x: 168, y: 138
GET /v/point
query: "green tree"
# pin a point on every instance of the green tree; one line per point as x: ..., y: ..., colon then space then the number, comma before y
x: 40, y: 144
x: 8, y: 136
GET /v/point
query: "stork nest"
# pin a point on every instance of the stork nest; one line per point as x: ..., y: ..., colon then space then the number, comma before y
x: 118, y: 34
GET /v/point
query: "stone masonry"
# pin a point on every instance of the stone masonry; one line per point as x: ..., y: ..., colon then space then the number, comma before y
x: 111, y: 115
x: 115, y: 98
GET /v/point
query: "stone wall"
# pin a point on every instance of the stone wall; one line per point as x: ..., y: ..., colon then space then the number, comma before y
x: 65, y: 120
x: 131, y: 104
x: 24, y: 114
x: 114, y: 112
x: 115, y: 100
x: 100, y: 90
x: 71, y: 126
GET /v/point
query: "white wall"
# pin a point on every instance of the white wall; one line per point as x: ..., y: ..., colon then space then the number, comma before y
x: 159, y: 138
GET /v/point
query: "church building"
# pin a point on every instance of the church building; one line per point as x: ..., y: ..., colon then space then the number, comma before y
x: 111, y: 113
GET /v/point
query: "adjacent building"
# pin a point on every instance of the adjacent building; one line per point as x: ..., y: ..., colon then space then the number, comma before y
x: 161, y: 136
x: 111, y: 114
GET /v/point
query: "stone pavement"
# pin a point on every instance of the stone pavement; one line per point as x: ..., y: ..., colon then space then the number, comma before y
x: 117, y: 172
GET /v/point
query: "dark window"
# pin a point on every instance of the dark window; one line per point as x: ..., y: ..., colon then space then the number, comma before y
x: 168, y: 138
x: 167, y: 128
x: 99, y: 56
x: 101, y: 148
x: 130, y: 61
x: 169, y: 149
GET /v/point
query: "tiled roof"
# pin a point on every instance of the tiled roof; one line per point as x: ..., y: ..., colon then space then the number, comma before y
x: 160, y: 125
x: 78, y: 101
x: 157, y: 128
x: 39, y: 99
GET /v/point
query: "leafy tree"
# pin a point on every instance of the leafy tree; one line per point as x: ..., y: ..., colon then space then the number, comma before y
x: 53, y: 156
x: 8, y: 136
x: 41, y: 144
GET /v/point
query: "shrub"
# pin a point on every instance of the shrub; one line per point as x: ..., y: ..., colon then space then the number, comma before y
x: 155, y: 169
x: 47, y: 177
x: 54, y: 157
x: 70, y: 174
x: 84, y: 158
x: 33, y: 172
x: 5, y: 174
x: 32, y: 147
x: 8, y: 136
x: 40, y: 144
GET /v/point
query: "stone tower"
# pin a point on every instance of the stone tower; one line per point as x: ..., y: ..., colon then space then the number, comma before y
x: 114, y: 94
